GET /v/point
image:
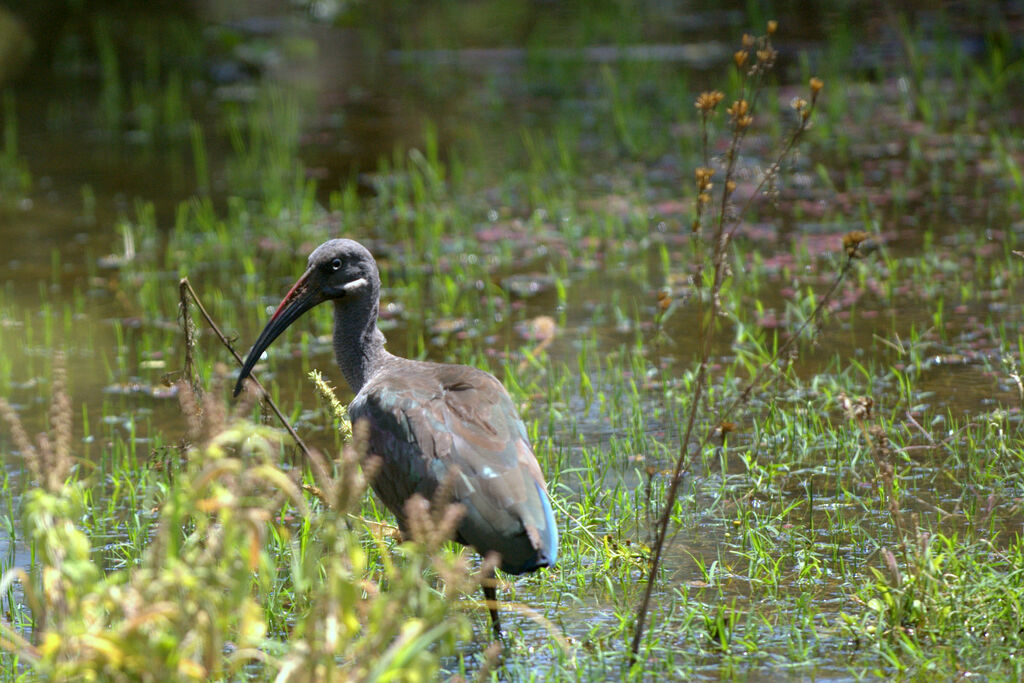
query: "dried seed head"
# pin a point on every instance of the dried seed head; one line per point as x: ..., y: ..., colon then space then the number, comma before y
x: 724, y: 429
x: 748, y: 40
x: 766, y: 55
x: 892, y: 565
x: 798, y: 103
x: 852, y: 240
x: 703, y: 174
x: 664, y: 300
x: 21, y: 438
x: 417, y: 516
x: 740, y: 57
x: 816, y: 85
x: 773, y: 26
x: 448, y: 522
x: 857, y: 409
x: 707, y: 101
x: 738, y: 109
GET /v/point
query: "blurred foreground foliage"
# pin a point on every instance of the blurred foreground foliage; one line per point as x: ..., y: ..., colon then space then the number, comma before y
x: 244, y: 574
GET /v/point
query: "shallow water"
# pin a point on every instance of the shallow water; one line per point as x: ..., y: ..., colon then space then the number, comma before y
x: 70, y: 283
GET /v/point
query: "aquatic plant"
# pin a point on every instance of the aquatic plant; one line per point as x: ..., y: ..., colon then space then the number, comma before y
x: 720, y: 214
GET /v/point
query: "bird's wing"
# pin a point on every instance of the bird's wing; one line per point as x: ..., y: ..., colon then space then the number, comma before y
x: 457, y: 426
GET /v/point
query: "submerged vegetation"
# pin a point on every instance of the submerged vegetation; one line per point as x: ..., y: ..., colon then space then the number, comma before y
x: 768, y: 350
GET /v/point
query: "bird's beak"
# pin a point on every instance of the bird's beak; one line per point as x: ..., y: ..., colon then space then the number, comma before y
x: 304, y: 295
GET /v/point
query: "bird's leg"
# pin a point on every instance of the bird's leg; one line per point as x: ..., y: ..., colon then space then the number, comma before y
x: 490, y: 586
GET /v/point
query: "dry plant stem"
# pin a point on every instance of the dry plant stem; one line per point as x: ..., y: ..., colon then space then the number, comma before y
x: 698, y: 392
x: 745, y: 394
x: 718, y: 248
x: 704, y: 138
x: 666, y: 515
x: 50, y: 459
x: 185, y: 286
x: 718, y: 260
x: 189, y: 333
x: 673, y: 489
x: 748, y: 93
x: 917, y: 425
x: 773, y: 169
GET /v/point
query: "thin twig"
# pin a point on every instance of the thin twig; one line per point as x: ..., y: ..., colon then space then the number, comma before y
x: 722, y: 235
x: 782, y: 350
x: 911, y: 420
x: 772, y: 172
x: 188, y: 330
x: 185, y: 286
x: 743, y: 396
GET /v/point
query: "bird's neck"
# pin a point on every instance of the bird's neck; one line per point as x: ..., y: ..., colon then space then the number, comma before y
x: 358, y: 345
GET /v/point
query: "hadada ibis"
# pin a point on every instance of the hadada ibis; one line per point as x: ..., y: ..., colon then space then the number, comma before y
x: 429, y: 423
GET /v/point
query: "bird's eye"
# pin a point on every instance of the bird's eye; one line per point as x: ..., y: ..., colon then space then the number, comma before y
x: 336, y: 264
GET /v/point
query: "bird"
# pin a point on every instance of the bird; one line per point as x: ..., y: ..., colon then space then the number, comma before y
x: 430, y: 424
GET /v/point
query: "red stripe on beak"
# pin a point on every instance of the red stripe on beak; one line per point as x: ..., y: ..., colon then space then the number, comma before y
x: 300, y: 298
x: 297, y: 290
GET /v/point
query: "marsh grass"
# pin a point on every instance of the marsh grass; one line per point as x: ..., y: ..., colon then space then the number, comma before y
x: 800, y: 538
x: 236, y: 574
x: 15, y: 178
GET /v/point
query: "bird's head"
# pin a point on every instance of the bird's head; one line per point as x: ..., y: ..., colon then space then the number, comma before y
x: 340, y: 270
